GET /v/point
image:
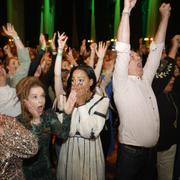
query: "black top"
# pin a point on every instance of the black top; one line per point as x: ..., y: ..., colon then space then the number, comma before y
x: 169, y: 119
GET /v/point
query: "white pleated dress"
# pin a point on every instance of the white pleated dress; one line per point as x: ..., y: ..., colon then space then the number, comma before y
x: 81, y: 156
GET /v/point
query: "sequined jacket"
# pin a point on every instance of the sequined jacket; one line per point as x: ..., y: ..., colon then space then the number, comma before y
x: 16, y: 143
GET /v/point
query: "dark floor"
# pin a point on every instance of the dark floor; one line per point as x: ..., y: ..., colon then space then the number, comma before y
x: 111, y: 164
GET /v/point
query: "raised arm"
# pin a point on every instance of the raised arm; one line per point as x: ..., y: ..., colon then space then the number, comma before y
x: 164, y: 10
x: 35, y: 64
x: 23, y: 55
x: 102, y: 48
x: 120, y: 74
x: 157, y: 45
x: 93, y: 47
x: 52, y: 44
x: 124, y: 27
x: 62, y: 38
x: 10, y: 31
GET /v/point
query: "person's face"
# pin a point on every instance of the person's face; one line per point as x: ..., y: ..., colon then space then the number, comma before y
x: 81, y: 82
x: 3, y: 76
x: 13, y: 65
x: 135, y: 65
x: 170, y: 85
x: 36, y: 97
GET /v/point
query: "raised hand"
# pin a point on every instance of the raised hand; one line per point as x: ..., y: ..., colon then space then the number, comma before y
x: 9, y: 30
x: 165, y: 10
x: 176, y: 39
x: 62, y: 38
x: 53, y: 46
x: 128, y: 5
x: 42, y: 40
x: 175, y: 42
x: 93, y: 46
x: 102, y: 48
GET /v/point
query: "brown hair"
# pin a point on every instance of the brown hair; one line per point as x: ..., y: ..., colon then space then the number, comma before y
x: 22, y: 90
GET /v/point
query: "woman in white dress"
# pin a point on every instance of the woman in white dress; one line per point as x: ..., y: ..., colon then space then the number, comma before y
x: 81, y: 156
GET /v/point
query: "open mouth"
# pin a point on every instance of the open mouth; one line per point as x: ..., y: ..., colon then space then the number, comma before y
x: 40, y: 109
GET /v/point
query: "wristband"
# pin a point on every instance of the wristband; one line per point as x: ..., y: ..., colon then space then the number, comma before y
x: 60, y: 51
x: 43, y: 48
x: 16, y: 38
x: 126, y: 13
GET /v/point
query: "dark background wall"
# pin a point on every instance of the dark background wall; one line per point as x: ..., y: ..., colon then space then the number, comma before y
x: 74, y: 18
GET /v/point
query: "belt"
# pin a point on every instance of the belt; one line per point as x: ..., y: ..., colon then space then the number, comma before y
x: 132, y: 147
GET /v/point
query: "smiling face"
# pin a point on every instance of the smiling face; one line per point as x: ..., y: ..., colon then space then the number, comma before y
x: 37, y: 98
x: 135, y: 65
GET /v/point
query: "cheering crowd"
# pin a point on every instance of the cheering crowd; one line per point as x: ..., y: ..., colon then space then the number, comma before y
x: 62, y: 110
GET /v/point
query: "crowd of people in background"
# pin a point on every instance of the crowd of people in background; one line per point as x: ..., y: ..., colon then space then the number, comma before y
x: 62, y: 110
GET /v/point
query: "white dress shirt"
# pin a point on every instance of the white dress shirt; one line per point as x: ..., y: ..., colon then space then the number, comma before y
x: 135, y: 99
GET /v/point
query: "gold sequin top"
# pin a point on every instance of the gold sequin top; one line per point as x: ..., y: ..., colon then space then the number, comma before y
x: 16, y: 143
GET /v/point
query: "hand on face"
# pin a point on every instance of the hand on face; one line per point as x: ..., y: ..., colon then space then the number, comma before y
x: 70, y: 103
x: 82, y: 94
x: 81, y: 85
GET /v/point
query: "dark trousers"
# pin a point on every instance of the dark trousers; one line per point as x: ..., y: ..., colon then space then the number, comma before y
x: 136, y: 163
x: 177, y: 163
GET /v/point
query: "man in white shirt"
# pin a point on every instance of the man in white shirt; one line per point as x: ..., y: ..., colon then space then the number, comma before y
x: 135, y: 100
